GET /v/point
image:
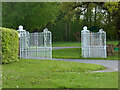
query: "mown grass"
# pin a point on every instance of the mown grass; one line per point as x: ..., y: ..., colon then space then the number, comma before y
x: 75, y: 53
x: 76, y: 44
x: 56, y: 74
x: 66, y: 44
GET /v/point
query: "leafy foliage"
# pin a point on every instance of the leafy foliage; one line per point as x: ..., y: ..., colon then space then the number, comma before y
x: 63, y: 18
x: 112, y: 6
x: 31, y: 15
x: 10, y: 42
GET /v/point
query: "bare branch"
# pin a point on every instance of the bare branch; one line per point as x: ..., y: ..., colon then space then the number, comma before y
x: 84, y: 9
x: 80, y: 5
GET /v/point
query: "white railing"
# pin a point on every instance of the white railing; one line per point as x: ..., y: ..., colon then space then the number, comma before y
x: 35, y: 45
x: 93, y: 44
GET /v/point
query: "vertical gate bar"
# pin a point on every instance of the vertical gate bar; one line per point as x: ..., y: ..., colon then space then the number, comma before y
x: 89, y: 43
x: 37, y: 45
x: 20, y: 45
x: 25, y: 46
x: 44, y: 43
x: 50, y: 45
x: 105, y: 44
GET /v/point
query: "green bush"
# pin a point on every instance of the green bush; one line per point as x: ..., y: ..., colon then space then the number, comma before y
x: 10, y: 43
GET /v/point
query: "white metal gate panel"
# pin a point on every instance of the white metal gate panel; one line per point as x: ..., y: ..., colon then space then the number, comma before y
x: 93, y: 44
x: 35, y: 45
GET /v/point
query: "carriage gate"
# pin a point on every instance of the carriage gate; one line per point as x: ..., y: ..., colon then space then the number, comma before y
x: 35, y: 45
x: 93, y: 44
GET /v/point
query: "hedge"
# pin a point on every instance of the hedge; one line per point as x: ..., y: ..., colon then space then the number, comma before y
x: 10, y: 43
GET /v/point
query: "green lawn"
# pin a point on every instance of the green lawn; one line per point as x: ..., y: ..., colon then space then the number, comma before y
x: 73, y: 44
x: 75, y: 53
x: 56, y: 74
x: 66, y: 44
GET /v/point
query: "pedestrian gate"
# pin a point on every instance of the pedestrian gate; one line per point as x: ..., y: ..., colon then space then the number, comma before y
x: 35, y: 45
x: 93, y: 44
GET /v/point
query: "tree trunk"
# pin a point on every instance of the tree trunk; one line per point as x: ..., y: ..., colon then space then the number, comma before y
x: 109, y: 19
x: 95, y: 16
x: 64, y: 32
x: 68, y: 31
x: 87, y: 18
x: 90, y: 17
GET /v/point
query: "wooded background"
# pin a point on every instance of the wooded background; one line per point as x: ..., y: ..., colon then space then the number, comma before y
x: 64, y: 19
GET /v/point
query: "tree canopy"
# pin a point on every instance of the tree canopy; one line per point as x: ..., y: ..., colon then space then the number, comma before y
x: 30, y: 15
x: 63, y: 18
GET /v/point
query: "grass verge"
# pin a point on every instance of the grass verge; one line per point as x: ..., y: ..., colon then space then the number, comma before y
x: 66, y: 44
x: 56, y: 74
x: 76, y: 44
x: 75, y: 53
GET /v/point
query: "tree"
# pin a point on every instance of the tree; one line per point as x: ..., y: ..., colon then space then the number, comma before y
x: 114, y: 9
x: 101, y: 19
x: 32, y: 15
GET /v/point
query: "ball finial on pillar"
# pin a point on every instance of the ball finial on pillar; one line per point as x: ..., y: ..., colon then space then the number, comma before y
x: 85, y: 28
x: 20, y: 27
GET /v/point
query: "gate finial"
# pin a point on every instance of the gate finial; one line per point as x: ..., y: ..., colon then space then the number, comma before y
x: 85, y: 28
x: 20, y: 27
x: 20, y: 30
x: 101, y: 31
x: 45, y: 29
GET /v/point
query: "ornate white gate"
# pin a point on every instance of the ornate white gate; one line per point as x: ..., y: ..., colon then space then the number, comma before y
x: 35, y: 45
x: 93, y: 44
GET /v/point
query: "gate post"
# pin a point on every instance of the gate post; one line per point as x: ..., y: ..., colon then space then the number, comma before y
x: 50, y: 45
x: 22, y: 34
x: 47, y: 44
x: 103, y: 42
x: 84, y: 41
x: 45, y: 40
